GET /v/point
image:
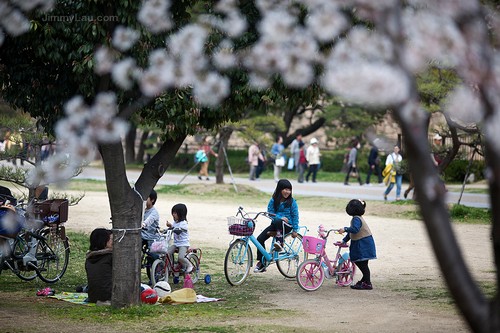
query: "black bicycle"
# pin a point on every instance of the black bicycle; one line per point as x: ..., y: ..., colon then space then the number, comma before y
x: 41, y: 247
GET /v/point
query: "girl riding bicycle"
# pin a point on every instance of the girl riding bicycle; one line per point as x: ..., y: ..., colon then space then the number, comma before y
x: 362, y: 246
x: 181, y: 236
x: 284, y: 206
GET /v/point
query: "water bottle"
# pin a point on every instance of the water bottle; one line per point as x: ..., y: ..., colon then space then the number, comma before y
x: 325, y: 269
x: 321, y: 231
x: 188, y: 283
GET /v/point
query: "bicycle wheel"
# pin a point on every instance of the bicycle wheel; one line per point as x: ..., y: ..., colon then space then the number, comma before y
x: 345, y: 273
x: 310, y: 275
x: 238, y: 262
x: 295, y: 251
x: 159, y: 271
x: 195, y: 273
x: 52, y: 255
x: 21, y: 248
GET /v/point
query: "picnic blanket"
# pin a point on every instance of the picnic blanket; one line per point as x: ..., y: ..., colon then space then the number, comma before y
x: 182, y: 297
x: 75, y: 298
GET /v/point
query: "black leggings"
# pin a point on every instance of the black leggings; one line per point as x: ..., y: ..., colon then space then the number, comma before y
x: 275, y: 226
x: 363, y: 267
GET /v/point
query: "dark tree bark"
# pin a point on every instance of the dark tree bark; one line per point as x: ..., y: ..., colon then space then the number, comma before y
x: 481, y: 315
x: 142, y: 148
x: 220, y: 162
x: 130, y: 144
x: 126, y: 204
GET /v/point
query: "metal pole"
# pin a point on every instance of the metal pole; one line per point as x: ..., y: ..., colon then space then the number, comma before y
x: 229, y: 168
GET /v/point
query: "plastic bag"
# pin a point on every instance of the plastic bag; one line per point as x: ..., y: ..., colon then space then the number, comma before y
x: 159, y: 246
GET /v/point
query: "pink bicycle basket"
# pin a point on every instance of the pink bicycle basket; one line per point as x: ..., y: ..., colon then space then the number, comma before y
x: 240, y: 227
x: 313, y: 245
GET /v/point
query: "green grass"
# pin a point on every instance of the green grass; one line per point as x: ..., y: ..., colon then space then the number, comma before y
x: 240, y: 303
x: 470, y: 215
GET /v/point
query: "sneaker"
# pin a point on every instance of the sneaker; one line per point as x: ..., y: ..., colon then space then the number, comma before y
x: 385, y: 197
x: 46, y: 292
x: 366, y: 286
x: 362, y: 286
x: 259, y: 268
x: 357, y: 285
x: 188, y: 269
x: 278, y: 247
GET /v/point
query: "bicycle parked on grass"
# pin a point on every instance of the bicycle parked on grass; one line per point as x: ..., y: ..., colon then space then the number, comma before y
x: 239, y: 257
x: 163, y: 267
x: 312, y: 272
x: 40, y: 246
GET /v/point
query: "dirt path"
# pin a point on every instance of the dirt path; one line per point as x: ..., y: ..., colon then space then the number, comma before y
x: 404, y: 269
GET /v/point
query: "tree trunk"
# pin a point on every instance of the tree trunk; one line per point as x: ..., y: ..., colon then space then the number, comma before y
x: 220, y: 162
x: 130, y: 144
x: 126, y: 216
x: 142, y: 148
x: 127, y: 206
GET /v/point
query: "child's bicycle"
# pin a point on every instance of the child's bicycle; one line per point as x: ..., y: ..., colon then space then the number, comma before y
x: 239, y: 257
x: 163, y: 267
x: 311, y: 273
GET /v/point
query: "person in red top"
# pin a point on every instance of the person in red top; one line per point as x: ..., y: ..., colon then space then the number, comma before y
x: 302, y: 164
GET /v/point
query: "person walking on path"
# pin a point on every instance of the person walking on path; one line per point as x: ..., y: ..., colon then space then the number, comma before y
x: 312, y: 155
x: 295, y: 151
x: 302, y: 166
x: 277, y: 152
x: 352, y: 165
x: 373, y: 165
x: 392, y: 173
x: 254, y: 155
x: 205, y: 146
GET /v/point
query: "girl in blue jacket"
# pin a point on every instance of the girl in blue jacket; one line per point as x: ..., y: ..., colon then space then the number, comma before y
x: 286, y: 209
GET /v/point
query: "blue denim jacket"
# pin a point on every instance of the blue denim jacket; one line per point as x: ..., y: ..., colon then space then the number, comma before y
x: 292, y: 213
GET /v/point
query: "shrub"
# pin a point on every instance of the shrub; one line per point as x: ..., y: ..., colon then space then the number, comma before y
x: 455, y: 172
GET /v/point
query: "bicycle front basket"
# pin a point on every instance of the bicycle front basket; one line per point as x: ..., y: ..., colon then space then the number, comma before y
x: 313, y: 245
x: 240, y: 226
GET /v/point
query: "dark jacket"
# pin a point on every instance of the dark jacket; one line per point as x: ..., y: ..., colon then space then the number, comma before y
x: 99, y: 268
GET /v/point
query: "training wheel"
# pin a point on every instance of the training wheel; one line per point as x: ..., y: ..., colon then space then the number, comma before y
x: 208, y: 279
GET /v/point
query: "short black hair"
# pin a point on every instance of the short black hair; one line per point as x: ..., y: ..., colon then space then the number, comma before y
x: 181, y: 211
x: 355, y: 207
x: 153, y: 196
x: 99, y: 238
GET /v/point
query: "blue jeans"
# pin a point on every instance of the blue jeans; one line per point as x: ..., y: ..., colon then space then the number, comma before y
x: 399, y: 183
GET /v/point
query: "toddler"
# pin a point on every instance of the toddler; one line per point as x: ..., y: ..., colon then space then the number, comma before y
x: 181, y: 236
x: 362, y: 246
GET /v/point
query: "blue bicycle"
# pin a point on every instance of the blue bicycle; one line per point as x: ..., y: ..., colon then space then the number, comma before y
x: 239, y: 257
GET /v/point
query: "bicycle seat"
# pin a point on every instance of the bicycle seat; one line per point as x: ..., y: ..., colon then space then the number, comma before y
x: 340, y: 244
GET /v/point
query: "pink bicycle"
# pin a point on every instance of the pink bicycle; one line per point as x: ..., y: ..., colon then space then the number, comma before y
x: 312, y: 272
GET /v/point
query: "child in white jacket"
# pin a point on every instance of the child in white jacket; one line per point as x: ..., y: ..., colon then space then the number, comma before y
x: 181, y: 236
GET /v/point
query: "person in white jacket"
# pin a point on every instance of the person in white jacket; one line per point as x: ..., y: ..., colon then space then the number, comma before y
x: 181, y: 236
x: 312, y: 156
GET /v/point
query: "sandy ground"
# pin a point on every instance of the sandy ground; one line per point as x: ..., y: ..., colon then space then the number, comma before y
x: 405, y: 263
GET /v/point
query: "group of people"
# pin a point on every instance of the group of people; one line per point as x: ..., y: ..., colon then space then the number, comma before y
x: 286, y: 220
x: 301, y: 159
x: 99, y: 263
